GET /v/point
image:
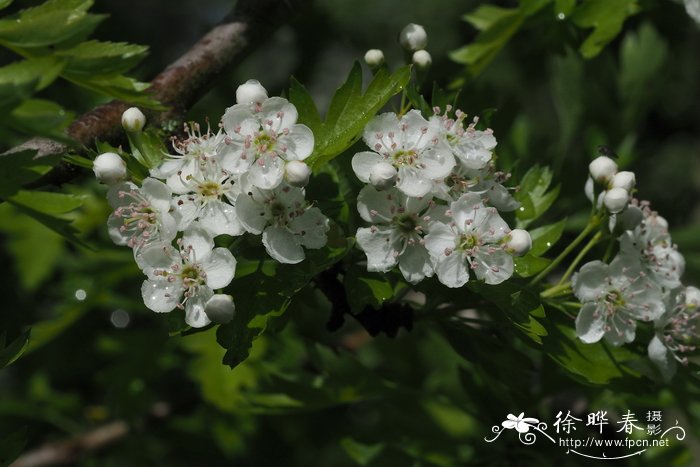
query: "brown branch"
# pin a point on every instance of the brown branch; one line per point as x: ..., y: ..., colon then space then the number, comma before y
x: 179, y: 85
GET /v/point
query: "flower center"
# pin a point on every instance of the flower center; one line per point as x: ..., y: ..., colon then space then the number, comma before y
x: 468, y: 241
x: 209, y: 189
x: 402, y: 157
x: 264, y: 142
x: 406, y: 223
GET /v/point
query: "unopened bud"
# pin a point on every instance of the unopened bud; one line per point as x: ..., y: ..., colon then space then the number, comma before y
x: 297, y: 173
x: 374, y: 58
x: 251, y: 92
x: 624, y: 180
x: 382, y: 176
x: 519, y: 242
x: 133, y: 120
x: 413, y: 37
x: 602, y: 169
x: 630, y: 218
x: 692, y: 297
x: 616, y: 199
x: 422, y: 59
x: 220, y: 308
x: 109, y: 168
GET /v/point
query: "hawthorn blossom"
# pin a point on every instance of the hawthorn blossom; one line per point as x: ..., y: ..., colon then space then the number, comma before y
x: 262, y: 138
x: 486, y: 182
x: 186, y: 277
x: 396, y: 235
x: 677, y: 331
x: 473, y: 148
x: 471, y: 241
x: 614, y: 298
x: 207, y: 203
x: 651, y: 244
x: 141, y: 215
x: 284, y: 218
x: 411, y: 145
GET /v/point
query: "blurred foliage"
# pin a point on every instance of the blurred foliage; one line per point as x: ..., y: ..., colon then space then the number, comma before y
x: 554, y: 79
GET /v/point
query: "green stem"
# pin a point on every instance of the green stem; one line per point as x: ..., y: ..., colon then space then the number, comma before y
x: 592, y: 225
x: 559, y: 289
x: 572, y: 267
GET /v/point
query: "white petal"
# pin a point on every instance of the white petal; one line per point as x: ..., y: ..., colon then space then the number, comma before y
x: 194, y: 308
x: 437, y: 162
x: 299, y: 143
x: 186, y: 211
x: 157, y: 193
x: 169, y: 166
x: 267, y: 172
x: 381, y: 245
x: 362, y: 164
x: 157, y: 256
x: 282, y: 245
x: 239, y: 120
x: 495, y: 267
x: 282, y: 113
x: 452, y: 270
x: 662, y: 357
x: 220, y: 267
x: 114, y: 225
x: 381, y: 124
x: 589, y: 328
x: 113, y: 194
x: 167, y: 229
x: 379, y: 207
x: 219, y: 218
x: 252, y: 215
x: 589, y: 283
x: 160, y: 295
x: 440, y: 238
x: 200, y: 241
x: 412, y: 182
x: 415, y: 264
x: 311, y: 228
x: 235, y: 159
x: 465, y: 211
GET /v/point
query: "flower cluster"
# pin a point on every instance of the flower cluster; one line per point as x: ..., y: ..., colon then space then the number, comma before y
x: 643, y: 281
x: 433, y: 200
x: 246, y: 177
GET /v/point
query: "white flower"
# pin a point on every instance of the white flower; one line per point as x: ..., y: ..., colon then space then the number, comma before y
x: 413, y: 37
x: 109, y: 168
x: 383, y: 175
x: 374, y: 58
x: 470, y: 241
x: 284, y: 219
x: 185, y: 278
x: 206, y: 201
x: 220, y: 308
x: 651, y: 244
x: 422, y: 59
x: 614, y: 297
x: 518, y: 242
x: 472, y: 147
x: 133, y: 120
x: 411, y: 146
x: 485, y: 182
x: 141, y: 215
x: 676, y: 331
x: 297, y: 173
x: 628, y: 219
x: 194, y: 151
x: 396, y: 235
x: 602, y: 169
x: 262, y: 138
x: 616, y: 199
x: 251, y: 92
x: 624, y: 179
x: 692, y: 7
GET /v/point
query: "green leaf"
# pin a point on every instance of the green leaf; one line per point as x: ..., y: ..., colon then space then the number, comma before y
x: 365, y: 288
x: 50, y: 23
x: 606, y: 17
x: 361, y: 453
x: 486, y: 16
x: 533, y: 195
x: 545, y: 237
x: 20, y: 168
x: 5, y: 3
x: 123, y: 88
x: 95, y: 58
x: 38, y: 116
x: 302, y: 100
x: 529, y: 265
x: 47, y: 202
x: 564, y: 7
x: 46, y: 331
x: 20, y: 80
x: 59, y: 225
x: 350, y: 110
x: 10, y: 353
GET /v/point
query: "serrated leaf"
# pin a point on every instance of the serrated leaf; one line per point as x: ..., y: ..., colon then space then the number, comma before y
x: 50, y: 23
x: 533, y: 195
x: 123, y: 88
x: 545, y: 237
x: 40, y: 117
x: 96, y: 58
x: 350, y: 110
x: 19, y: 168
x: 302, y: 100
x: 606, y: 17
x: 59, y: 225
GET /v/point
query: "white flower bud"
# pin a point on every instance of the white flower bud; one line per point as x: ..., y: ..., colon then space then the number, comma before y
x: 624, y: 180
x: 692, y: 297
x: 133, y: 120
x: 413, y: 37
x: 422, y: 59
x: 630, y: 218
x: 297, y: 173
x: 220, y: 308
x: 382, y: 176
x: 602, y: 169
x: 374, y: 58
x: 251, y: 91
x: 616, y: 199
x: 519, y: 242
x: 109, y: 168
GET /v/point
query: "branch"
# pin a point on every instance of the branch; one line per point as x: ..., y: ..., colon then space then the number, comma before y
x: 179, y: 85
